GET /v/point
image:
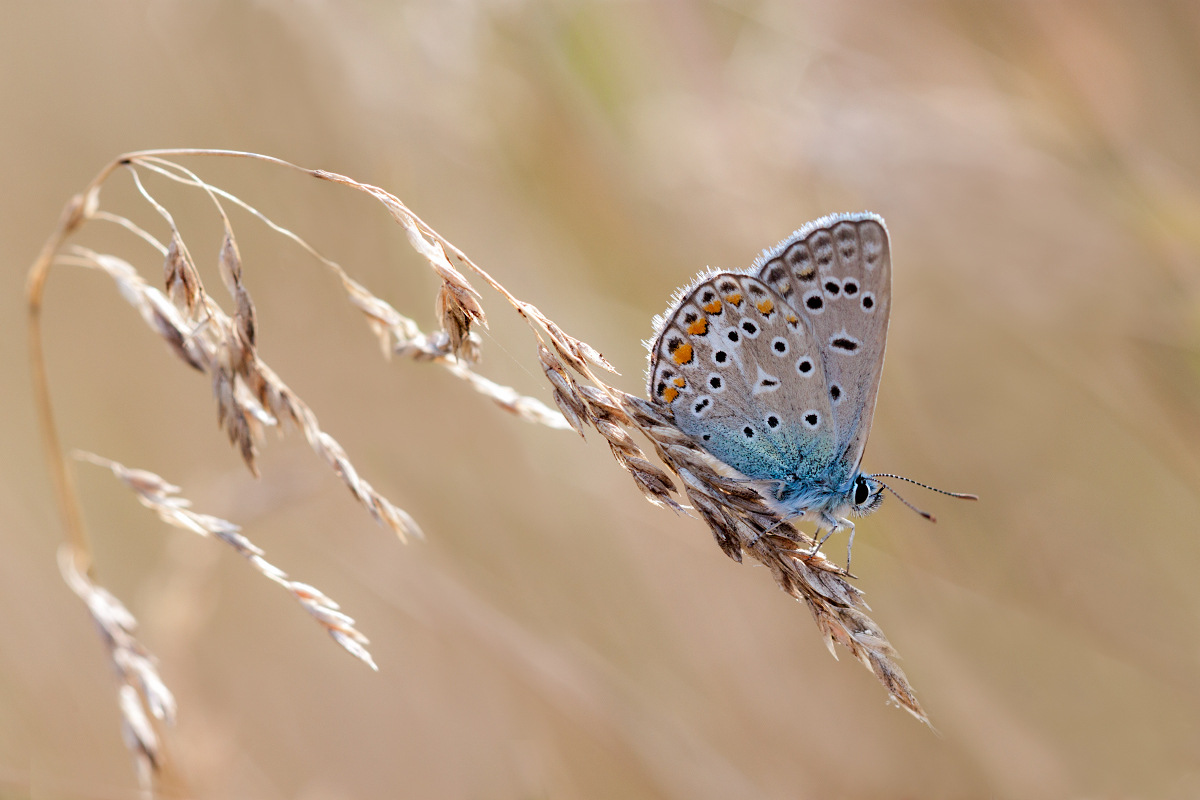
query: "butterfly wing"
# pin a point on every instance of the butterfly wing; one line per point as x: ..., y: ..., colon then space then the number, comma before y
x: 837, y: 273
x: 741, y: 371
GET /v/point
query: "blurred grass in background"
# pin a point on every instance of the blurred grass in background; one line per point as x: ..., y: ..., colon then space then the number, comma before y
x: 557, y: 637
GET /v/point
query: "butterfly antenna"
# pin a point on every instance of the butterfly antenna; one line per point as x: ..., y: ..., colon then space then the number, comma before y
x: 960, y: 495
x: 924, y: 514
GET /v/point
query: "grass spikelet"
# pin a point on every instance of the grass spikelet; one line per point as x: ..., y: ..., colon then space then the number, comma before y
x: 397, y: 333
x: 742, y: 523
x: 141, y: 687
x: 163, y: 498
x: 249, y: 395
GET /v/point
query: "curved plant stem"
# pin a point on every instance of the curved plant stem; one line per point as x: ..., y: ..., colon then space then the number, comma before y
x: 168, y: 781
x: 60, y: 475
x: 78, y: 210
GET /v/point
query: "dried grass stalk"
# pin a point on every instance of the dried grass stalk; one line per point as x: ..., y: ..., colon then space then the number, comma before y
x: 141, y: 686
x: 250, y: 396
x: 162, y: 497
x: 455, y: 346
x: 401, y: 336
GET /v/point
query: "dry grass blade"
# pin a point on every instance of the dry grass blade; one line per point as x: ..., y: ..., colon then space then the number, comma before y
x: 141, y: 686
x: 162, y: 497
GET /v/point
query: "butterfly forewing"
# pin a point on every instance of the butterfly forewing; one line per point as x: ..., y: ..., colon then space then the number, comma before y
x: 742, y: 372
x: 837, y: 273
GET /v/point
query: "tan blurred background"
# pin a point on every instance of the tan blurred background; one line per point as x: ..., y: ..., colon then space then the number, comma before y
x: 557, y: 637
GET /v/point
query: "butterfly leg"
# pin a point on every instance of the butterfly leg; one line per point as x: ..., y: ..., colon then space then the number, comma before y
x: 850, y: 544
x: 827, y: 522
x: 834, y: 525
x: 793, y: 515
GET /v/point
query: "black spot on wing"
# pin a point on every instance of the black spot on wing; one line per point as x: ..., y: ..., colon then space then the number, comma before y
x: 843, y: 343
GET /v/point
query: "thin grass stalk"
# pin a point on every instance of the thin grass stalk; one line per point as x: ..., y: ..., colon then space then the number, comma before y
x: 141, y: 687
x: 163, y: 498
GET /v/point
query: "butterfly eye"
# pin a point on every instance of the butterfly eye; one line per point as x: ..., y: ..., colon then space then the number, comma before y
x: 861, y: 492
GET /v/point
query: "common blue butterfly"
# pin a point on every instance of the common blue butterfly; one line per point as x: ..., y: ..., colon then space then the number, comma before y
x: 774, y: 371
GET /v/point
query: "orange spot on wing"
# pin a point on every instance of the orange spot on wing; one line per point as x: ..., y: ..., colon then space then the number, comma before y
x: 698, y: 328
x: 792, y: 319
x: 766, y: 306
x: 714, y: 307
x: 680, y: 382
x: 683, y: 354
x: 670, y: 393
x: 735, y: 299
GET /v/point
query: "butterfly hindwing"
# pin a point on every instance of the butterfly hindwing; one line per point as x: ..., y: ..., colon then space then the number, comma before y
x: 742, y: 372
x: 837, y: 273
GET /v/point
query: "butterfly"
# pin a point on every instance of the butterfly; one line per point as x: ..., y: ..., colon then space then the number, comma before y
x: 774, y: 371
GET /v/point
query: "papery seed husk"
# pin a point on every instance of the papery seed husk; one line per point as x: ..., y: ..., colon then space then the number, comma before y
x: 246, y: 318
x: 230, y: 262
x: 182, y: 283
x: 569, y: 412
x: 616, y: 436
x: 718, y: 522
